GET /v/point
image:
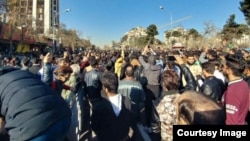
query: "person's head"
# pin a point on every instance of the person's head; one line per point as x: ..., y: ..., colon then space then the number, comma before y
x: 109, y: 82
x: 93, y: 62
x: 134, y: 56
x: 15, y: 61
x: 245, y: 53
x: 129, y: 72
x: 25, y: 62
x: 63, y: 62
x: 109, y: 65
x: 170, y: 80
x: 216, y: 64
x: 126, y: 59
x: 207, y: 68
x: 247, y: 69
x: 63, y: 73
x: 76, y: 69
x: 194, y: 108
x: 233, y: 66
x: 190, y: 58
x: 212, y: 55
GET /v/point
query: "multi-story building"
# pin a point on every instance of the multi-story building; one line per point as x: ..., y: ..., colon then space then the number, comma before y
x: 41, y: 14
x: 2, y: 12
x: 134, y: 34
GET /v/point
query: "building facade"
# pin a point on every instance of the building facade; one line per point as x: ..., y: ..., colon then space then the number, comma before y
x: 41, y: 14
x: 133, y: 34
x: 2, y: 12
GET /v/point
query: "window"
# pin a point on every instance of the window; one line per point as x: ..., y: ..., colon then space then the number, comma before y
x: 29, y: 16
x: 40, y: 10
x: 30, y: 2
x: 40, y: 17
x: 40, y: 30
x: 40, y: 2
x: 22, y: 10
x: 23, y: 3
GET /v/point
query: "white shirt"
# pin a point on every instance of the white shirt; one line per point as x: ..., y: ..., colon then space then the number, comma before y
x: 219, y: 75
x: 116, y: 102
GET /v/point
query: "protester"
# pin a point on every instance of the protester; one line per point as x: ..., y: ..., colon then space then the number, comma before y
x: 32, y: 111
x: 132, y: 89
x: 236, y: 97
x: 46, y: 72
x: 112, y: 118
x: 151, y: 71
x: 164, y: 108
x: 35, y: 66
x: 212, y: 86
x: 92, y: 82
x: 62, y: 74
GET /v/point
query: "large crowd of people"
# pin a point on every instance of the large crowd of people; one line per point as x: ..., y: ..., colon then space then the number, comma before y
x: 121, y: 95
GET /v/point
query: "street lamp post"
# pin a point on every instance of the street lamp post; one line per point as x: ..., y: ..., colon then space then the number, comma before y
x: 171, y: 20
x: 55, y: 15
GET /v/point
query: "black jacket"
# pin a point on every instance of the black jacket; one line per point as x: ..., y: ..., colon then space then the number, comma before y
x: 191, y: 83
x: 213, y: 88
x: 28, y: 105
x: 108, y: 126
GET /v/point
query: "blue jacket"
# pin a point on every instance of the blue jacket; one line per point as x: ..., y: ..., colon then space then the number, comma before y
x: 28, y: 105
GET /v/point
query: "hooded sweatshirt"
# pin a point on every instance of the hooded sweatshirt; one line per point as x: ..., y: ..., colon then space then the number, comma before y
x: 150, y: 70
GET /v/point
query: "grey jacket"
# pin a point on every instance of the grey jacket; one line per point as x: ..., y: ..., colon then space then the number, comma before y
x: 151, y: 72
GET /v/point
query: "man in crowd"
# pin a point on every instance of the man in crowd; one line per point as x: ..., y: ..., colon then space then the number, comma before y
x: 112, y: 119
x: 92, y: 82
x: 212, y: 86
x: 236, y: 97
x: 132, y: 89
x: 151, y: 71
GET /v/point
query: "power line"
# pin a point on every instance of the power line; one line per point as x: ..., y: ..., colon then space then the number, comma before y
x: 173, y: 22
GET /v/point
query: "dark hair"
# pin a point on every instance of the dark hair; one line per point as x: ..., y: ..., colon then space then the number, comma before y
x: 126, y: 59
x: 25, y: 61
x: 189, y: 54
x: 170, y: 80
x: 110, y: 81
x: 208, y: 67
x: 213, y: 53
x: 66, y: 60
x: 129, y: 72
x: 216, y: 63
x: 63, y: 70
x: 134, y: 55
x: 247, y: 65
x: 236, y: 65
x: 195, y: 108
x: 92, y: 61
x: 109, y: 65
